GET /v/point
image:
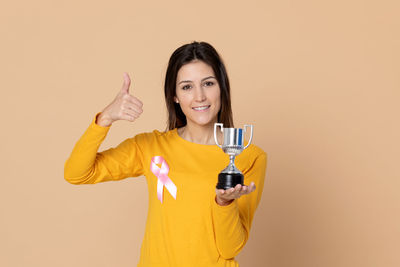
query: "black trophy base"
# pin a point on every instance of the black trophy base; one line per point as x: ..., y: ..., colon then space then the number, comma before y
x: 228, y: 180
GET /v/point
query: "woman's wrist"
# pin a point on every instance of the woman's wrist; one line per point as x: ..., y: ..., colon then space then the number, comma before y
x: 103, y: 121
x: 223, y: 202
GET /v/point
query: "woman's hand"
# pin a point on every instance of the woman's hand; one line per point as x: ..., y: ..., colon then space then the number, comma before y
x: 123, y: 107
x: 225, y: 197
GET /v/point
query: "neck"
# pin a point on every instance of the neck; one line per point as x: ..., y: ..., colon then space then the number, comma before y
x: 199, y: 134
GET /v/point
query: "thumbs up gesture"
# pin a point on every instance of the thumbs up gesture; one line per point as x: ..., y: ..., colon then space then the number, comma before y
x: 123, y: 107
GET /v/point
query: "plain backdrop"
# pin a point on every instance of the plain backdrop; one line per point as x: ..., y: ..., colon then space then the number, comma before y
x: 319, y: 80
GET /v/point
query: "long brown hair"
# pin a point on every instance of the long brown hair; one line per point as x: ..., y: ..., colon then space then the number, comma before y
x: 185, y: 54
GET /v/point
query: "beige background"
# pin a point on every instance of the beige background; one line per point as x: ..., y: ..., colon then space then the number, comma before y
x: 318, y: 79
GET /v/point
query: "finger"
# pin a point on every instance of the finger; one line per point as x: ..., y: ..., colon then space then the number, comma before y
x: 220, y: 191
x: 131, y: 113
x: 128, y: 117
x: 133, y: 100
x: 134, y: 108
x: 238, y: 188
x: 126, y: 84
x: 252, y: 187
x: 233, y: 192
x: 245, y: 190
x: 137, y: 102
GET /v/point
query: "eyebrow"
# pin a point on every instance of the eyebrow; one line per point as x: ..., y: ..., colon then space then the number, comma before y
x: 188, y: 81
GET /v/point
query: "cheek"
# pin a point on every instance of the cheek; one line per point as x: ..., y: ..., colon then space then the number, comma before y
x: 217, y: 97
x: 184, y: 100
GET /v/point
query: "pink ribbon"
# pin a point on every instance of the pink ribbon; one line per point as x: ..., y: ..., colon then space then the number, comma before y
x: 163, y: 179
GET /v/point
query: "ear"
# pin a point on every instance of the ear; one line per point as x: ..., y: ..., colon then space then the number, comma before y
x: 176, y: 99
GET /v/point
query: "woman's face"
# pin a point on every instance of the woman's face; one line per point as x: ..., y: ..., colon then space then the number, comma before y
x: 198, y: 93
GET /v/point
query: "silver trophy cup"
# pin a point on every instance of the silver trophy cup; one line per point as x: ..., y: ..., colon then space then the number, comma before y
x: 233, y: 145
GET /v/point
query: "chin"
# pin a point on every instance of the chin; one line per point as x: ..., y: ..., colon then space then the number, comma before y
x: 201, y: 119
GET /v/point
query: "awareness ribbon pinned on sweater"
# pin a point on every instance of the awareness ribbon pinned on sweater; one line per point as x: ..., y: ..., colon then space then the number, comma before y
x: 162, y: 175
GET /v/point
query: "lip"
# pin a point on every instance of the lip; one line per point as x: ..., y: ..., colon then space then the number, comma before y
x: 208, y: 107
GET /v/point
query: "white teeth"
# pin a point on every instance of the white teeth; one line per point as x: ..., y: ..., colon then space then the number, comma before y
x: 201, y: 108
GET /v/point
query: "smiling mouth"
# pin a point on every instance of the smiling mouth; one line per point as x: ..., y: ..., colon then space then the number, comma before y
x: 202, y: 108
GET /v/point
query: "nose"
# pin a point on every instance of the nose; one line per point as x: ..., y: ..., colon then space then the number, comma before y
x: 200, y: 95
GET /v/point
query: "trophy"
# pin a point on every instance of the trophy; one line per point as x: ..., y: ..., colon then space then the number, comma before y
x: 233, y: 146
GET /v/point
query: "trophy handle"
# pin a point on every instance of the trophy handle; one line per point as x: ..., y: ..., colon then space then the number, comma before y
x: 251, y: 134
x: 215, y: 132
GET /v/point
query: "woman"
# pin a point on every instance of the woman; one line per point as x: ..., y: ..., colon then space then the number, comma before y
x: 190, y: 222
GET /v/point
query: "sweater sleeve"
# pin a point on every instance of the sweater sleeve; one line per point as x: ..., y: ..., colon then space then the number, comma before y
x: 87, y: 166
x: 232, y: 222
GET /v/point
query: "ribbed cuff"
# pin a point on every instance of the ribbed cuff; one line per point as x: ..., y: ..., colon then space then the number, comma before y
x: 98, y: 128
x: 228, y: 208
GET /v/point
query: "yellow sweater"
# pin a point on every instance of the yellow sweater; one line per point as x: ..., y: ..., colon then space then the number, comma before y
x: 191, y: 230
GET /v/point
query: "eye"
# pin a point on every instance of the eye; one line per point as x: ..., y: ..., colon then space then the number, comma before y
x: 186, y: 87
x: 209, y: 83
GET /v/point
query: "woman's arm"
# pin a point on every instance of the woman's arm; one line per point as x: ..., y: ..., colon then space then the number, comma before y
x: 87, y: 166
x: 232, y: 222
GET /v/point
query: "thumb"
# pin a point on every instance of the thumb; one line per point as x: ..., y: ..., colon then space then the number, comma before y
x: 127, y: 83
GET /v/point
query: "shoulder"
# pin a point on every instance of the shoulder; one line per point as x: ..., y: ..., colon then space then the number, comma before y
x: 254, y: 154
x: 152, y: 136
x: 255, y: 151
x: 253, y: 160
